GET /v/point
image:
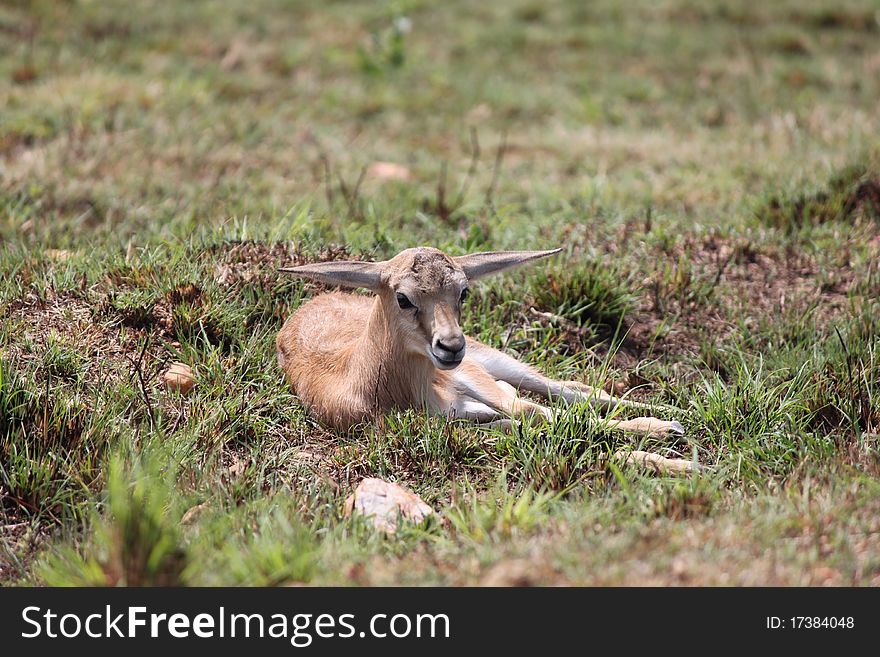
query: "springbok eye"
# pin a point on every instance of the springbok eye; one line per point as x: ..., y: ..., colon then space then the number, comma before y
x: 464, y: 295
x: 403, y: 301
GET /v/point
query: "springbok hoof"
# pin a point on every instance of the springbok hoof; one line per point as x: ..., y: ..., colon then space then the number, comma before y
x: 675, y: 427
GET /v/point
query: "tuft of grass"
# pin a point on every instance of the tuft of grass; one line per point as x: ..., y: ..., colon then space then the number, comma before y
x: 560, y: 455
x: 592, y: 291
x: 499, y: 516
x: 679, y: 500
x: 845, y: 394
x: 759, y: 422
x: 275, y: 548
x: 387, y: 50
x: 136, y: 542
x: 851, y: 196
x: 52, y: 442
x: 60, y: 360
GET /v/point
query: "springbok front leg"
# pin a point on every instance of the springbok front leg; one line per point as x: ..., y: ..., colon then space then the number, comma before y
x: 475, y: 394
x: 478, y: 397
x: 466, y: 408
x: 524, y: 377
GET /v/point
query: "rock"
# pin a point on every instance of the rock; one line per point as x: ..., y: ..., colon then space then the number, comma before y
x: 193, y: 513
x: 388, y: 171
x: 179, y: 377
x: 385, y: 503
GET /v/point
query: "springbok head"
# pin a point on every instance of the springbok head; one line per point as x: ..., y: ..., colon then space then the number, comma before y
x: 422, y: 291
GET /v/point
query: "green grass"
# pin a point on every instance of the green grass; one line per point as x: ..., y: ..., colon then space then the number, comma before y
x: 712, y: 172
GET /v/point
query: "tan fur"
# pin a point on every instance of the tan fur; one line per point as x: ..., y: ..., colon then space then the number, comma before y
x: 345, y: 364
x: 351, y: 358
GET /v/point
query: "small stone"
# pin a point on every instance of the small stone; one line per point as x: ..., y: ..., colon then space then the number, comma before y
x: 388, y: 171
x: 193, y: 513
x: 179, y: 377
x: 385, y: 503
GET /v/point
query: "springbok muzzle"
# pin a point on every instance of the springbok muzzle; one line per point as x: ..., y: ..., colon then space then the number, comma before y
x: 447, y: 352
x: 447, y: 341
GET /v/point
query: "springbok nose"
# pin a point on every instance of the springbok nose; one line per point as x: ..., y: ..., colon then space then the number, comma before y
x: 452, y: 345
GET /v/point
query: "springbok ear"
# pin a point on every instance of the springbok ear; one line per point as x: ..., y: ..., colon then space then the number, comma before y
x: 348, y: 273
x: 476, y: 265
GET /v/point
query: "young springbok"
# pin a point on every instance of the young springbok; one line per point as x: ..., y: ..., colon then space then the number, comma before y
x: 350, y: 358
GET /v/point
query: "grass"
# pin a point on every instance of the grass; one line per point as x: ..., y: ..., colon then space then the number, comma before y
x: 712, y: 172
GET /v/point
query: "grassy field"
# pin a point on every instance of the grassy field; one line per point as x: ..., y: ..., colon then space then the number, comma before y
x: 712, y: 170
